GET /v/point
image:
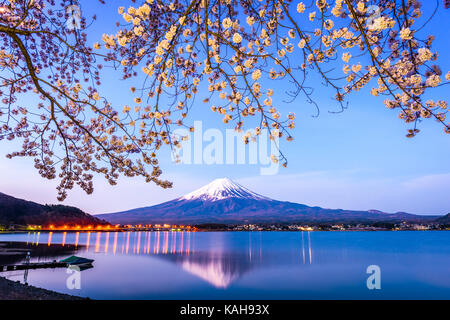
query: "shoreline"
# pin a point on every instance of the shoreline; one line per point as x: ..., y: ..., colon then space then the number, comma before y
x: 226, y: 230
x: 13, y: 253
x: 14, y: 290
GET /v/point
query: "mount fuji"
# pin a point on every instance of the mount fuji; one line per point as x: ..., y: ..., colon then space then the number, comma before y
x: 222, y: 189
x: 225, y: 201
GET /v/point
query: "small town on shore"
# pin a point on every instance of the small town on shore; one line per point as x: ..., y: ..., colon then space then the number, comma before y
x: 375, y: 226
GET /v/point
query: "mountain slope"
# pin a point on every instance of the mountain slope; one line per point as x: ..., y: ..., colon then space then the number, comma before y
x: 224, y: 201
x: 22, y: 212
x: 444, y: 219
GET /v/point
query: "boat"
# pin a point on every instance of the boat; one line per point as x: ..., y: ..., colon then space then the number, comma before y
x: 77, y: 261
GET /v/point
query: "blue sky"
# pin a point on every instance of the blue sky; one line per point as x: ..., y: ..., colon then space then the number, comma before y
x: 358, y: 159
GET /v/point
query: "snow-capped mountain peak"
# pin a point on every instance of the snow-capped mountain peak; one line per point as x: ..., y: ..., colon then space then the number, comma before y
x: 227, y: 202
x: 221, y: 189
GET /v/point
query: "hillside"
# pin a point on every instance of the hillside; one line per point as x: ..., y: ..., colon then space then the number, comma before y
x: 22, y: 212
x: 444, y: 219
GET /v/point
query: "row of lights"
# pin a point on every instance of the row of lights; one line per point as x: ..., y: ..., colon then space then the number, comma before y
x: 107, y: 227
x: 158, y: 226
x: 78, y: 227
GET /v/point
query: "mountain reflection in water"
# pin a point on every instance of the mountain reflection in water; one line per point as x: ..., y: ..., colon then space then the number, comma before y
x: 210, y: 262
x: 219, y: 269
x: 246, y: 265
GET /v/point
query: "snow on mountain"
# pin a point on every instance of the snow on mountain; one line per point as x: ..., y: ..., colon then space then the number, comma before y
x: 221, y: 189
x: 224, y: 201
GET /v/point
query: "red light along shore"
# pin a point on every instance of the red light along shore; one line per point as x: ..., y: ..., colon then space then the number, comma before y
x: 99, y: 228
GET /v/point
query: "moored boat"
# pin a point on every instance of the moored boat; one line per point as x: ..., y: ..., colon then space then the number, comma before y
x: 77, y: 261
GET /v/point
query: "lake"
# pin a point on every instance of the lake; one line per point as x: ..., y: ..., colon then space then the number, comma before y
x: 248, y: 265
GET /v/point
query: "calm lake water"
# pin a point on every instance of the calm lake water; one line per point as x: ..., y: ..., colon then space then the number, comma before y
x: 249, y: 265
